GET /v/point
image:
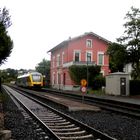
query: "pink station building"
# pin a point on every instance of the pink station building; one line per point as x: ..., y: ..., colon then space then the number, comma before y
x: 88, y: 48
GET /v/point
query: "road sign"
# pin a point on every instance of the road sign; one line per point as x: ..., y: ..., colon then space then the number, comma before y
x: 83, y: 89
x: 83, y: 82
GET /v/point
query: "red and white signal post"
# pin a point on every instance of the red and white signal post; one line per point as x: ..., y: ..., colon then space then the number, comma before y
x: 83, y: 88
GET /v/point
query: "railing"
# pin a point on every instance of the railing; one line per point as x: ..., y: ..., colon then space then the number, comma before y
x: 90, y: 63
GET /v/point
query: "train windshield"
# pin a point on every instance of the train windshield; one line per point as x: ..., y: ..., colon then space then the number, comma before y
x: 36, y: 78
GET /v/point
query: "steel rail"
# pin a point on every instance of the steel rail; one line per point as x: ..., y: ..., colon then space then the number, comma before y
x: 90, y: 132
x: 104, y: 103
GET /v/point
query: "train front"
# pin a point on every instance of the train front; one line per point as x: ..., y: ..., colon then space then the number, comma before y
x: 36, y: 80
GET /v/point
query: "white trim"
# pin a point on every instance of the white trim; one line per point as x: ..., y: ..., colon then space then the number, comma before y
x: 63, y: 58
x: 57, y: 78
x: 58, y: 60
x: 53, y: 78
x: 53, y: 62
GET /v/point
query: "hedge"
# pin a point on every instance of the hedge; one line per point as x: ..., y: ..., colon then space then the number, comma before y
x: 134, y: 87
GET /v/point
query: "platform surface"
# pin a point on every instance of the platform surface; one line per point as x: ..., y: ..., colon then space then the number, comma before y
x: 73, y: 105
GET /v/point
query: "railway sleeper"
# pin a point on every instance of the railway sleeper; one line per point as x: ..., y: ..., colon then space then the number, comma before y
x: 55, y: 121
x: 50, y: 116
x: 62, y: 126
x: 68, y: 129
x: 58, y: 123
x: 71, y: 133
x: 90, y: 136
x: 49, y: 119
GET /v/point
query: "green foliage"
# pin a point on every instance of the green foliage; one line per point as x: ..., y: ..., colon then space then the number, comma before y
x: 8, y: 75
x: 134, y: 87
x: 117, y: 57
x: 77, y: 73
x: 6, y: 44
x: 131, y: 39
x: 44, y: 68
x: 98, y: 82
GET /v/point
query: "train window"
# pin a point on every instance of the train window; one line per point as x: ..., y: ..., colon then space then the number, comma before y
x: 28, y: 79
x: 36, y: 78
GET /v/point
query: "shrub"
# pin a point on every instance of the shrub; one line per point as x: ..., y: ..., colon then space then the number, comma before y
x: 134, y: 87
x: 77, y: 73
x: 98, y: 82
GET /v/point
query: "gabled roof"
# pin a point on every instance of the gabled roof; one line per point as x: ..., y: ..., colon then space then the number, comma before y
x: 65, y: 43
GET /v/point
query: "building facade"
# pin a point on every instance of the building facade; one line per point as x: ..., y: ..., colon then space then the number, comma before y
x: 86, y: 49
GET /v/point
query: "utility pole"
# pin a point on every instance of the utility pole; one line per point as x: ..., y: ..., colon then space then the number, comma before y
x: 87, y: 76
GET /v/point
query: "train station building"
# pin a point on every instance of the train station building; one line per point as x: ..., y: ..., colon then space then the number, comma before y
x: 88, y: 48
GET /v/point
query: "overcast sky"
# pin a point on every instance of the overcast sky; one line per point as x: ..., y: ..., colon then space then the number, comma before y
x: 39, y: 25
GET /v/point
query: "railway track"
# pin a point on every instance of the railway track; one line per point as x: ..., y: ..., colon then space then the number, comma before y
x: 59, y: 125
x: 126, y: 108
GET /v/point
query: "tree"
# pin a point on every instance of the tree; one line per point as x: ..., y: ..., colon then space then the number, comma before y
x: 8, y: 75
x: 117, y: 57
x: 6, y: 44
x: 131, y: 40
x: 44, y: 68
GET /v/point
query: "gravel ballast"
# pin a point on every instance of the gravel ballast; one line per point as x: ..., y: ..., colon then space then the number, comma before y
x: 115, y: 125
x: 14, y: 120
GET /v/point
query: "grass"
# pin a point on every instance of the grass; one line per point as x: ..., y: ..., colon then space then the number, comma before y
x: 96, y: 92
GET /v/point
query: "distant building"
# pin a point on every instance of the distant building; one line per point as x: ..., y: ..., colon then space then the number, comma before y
x: 128, y: 69
x: 87, y: 48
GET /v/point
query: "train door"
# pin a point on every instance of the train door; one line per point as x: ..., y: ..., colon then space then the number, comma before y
x: 123, y: 85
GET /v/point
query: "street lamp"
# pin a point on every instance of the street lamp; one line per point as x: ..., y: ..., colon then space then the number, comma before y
x: 87, y: 76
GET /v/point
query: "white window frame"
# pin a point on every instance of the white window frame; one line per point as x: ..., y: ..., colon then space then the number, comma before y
x: 58, y: 78
x: 53, y: 62
x: 63, y: 57
x: 58, y: 60
x: 87, y: 44
x: 86, y: 56
x: 102, y: 53
x: 53, y: 77
x: 77, y: 51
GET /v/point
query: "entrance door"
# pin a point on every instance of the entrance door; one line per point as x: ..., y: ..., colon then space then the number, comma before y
x: 123, y: 85
x: 64, y: 78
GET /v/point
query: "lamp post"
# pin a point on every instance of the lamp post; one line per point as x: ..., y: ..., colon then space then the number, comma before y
x: 87, y: 76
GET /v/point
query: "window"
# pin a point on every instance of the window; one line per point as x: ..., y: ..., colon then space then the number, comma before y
x: 76, y: 56
x: 62, y: 57
x: 88, y: 56
x: 36, y: 78
x: 58, y: 78
x: 89, y: 43
x: 53, y: 63
x: 58, y: 60
x: 53, y: 78
x: 100, y: 58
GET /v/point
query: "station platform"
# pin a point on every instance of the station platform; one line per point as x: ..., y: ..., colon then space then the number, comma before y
x: 135, y: 99
x: 72, y: 105
x: 126, y: 99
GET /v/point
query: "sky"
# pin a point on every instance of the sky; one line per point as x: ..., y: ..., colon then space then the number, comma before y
x: 39, y: 25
